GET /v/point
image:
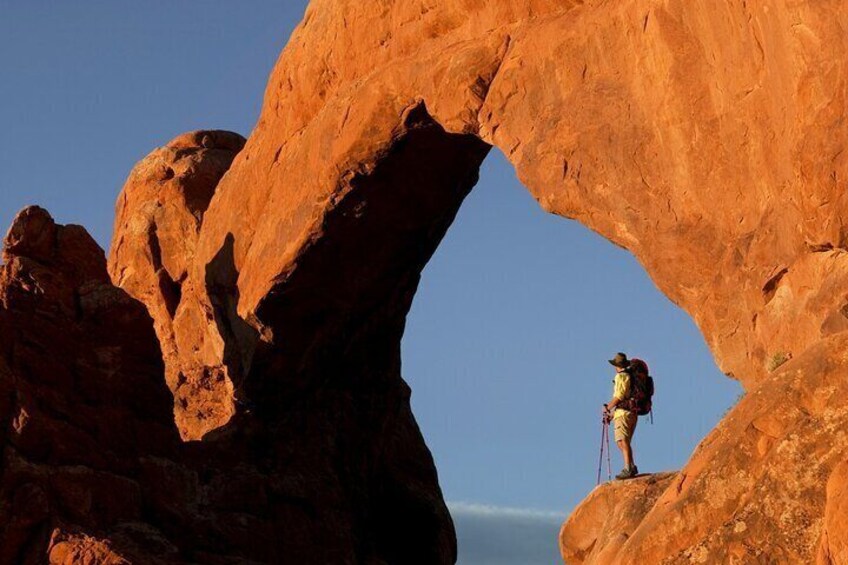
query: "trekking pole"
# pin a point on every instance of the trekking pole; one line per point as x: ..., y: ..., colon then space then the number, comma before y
x: 609, y: 464
x: 601, y: 455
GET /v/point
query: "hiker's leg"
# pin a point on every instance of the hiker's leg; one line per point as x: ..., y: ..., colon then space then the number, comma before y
x: 620, y: 438
x: 624, y: 428
x: 628, y: 455
x: 626, y: 452
x: 634, y: 419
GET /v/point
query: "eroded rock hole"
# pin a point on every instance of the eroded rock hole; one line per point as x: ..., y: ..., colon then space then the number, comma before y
x: 505, y: 351
x: 325, y: 378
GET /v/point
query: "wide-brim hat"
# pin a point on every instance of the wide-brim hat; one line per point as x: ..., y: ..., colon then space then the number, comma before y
x: 620, y: 360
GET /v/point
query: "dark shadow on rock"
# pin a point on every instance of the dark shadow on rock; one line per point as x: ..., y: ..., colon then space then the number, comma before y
x: 239, y: 337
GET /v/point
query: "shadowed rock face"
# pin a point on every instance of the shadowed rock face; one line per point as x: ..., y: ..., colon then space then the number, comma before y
x: 94, y: 471
x: 83, y: 404
x: 328, y: 467
x: 707, y: 138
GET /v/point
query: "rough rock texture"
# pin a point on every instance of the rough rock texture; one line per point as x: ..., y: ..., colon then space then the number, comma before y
x: 75, y: 549
x: 600, y: 526
x: 754, y: 489
x: 93, y: 469
x: 834, y: 542
x: 706, y: 137
x: 82, y: 402
x: 157, y: 221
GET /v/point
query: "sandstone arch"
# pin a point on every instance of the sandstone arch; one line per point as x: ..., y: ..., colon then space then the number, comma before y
x: 707, y: 138
x: 639, y: 130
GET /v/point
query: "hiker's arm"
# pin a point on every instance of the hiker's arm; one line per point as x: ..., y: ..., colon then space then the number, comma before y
x: 611, y: 405
x: 619, y: 393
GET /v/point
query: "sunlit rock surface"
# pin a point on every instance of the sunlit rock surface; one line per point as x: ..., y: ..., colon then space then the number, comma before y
x: 755, y: 488
x: 707, y: 138
x: 158, y: 218
x: 600, y: 526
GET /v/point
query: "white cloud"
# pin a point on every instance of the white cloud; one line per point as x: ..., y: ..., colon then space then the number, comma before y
x: 491, y: 535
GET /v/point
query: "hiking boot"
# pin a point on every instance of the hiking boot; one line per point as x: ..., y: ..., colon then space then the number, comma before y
x: 627, y: 473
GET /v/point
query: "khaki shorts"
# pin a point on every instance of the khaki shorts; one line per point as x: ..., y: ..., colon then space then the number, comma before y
x: 625, y: 426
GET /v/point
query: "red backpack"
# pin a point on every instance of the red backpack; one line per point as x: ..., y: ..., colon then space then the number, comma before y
x: 641, y: 388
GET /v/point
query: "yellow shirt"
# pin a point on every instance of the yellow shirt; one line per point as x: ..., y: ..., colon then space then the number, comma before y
x: 621, y: 391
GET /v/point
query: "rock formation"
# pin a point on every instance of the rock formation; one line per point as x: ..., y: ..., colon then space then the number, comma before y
x: 158, y: 218
x: 707, y: 138
x: 754, y: 490
x: 604, y: 521
x: 94, y: 470
x: 834, y: 541
x: 83, y: 405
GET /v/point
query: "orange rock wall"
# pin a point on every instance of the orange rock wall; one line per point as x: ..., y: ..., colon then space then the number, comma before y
x: 598, y: 529
x: 680, y: 131
x: 833, y: 548
x: 705, y: 137
x: 754, y: 490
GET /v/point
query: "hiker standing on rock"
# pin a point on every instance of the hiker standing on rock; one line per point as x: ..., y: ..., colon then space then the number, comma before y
x: 620, y: 411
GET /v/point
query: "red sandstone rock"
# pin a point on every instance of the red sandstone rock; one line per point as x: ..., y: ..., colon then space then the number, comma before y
x: 158, y: 218
x: 93, y: 470
x: 754, y: 488
x: 707, y: 138
x: 82, y: 550
x: 82, y: 400
x: 92, y: 452
x: 833, y: 549
x: 600, y: 526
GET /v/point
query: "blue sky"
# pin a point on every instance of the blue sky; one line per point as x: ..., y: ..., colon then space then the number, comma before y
x: 508, y: 337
